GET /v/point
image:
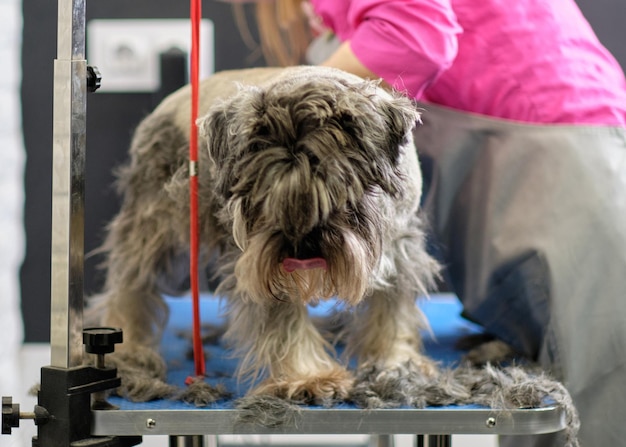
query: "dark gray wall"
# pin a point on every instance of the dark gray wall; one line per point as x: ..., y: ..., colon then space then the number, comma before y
x: 111, y: 118
x: 110, y: 121
x: 608, y: 19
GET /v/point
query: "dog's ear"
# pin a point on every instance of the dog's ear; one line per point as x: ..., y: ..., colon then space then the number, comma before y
x: 384, y: 118
x: 215, y: 135
x: 230, y: 122
x: 401, y: 116
x: 381, y: 124
x: 220, y: 131
x: 213, y: 130
x: 227, y: 131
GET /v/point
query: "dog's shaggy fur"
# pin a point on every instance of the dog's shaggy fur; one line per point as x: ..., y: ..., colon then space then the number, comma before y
x: 309, y: 189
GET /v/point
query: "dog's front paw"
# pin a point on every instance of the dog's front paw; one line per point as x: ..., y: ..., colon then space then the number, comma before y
x: 403, y: 363
x: 322, y: 389
x: 424, y: 366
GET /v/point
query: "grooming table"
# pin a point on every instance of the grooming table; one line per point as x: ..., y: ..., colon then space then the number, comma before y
x: 177, y: 419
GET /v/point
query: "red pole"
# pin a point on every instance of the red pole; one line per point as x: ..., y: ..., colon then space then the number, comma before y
x: 198, y: 352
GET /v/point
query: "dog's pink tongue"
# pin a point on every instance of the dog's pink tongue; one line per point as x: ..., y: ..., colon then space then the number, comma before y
x: 292, y: 264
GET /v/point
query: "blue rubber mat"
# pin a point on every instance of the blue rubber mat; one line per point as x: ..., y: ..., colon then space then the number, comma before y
x: 443, y: 312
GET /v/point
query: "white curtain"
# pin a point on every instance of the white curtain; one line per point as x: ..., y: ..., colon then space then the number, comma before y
x: 12, y: 159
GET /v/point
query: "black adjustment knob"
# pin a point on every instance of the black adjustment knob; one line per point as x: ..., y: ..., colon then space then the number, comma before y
x: 94, y: 78
x: 10, y: 415
x: 101, y: 340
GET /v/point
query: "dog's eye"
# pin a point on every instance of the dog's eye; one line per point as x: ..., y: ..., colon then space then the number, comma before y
x: 263, y: 131
x: 256, y: 147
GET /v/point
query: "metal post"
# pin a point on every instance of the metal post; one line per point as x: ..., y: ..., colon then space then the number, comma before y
x: 194, y: 441
x: 68, y: 186
x: 434, y: 440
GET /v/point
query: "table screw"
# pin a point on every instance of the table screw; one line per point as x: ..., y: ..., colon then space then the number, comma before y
x: 491, y: 422
x: 150, y: 423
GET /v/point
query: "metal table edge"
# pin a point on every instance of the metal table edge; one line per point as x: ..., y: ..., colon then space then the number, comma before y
x: 440, y: 421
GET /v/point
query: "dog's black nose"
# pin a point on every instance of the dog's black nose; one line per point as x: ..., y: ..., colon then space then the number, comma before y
x: 308, y: 247
x: 307, y: 253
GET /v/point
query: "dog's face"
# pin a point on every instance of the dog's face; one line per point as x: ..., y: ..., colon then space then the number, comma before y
x: 300, y: 167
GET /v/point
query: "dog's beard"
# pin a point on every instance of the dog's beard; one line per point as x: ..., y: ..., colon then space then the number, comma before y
x: 349, y: 266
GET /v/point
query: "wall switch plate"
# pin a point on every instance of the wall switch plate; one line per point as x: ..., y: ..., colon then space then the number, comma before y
x: 126, y: 51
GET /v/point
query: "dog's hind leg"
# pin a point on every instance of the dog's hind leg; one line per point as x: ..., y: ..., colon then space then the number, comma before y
x: 148, y: 233
x: 141, y: 242
x: 279, y: 340
x: 137, y: 246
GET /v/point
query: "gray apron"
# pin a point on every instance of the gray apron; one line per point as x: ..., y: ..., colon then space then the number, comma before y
x: 530, y: 222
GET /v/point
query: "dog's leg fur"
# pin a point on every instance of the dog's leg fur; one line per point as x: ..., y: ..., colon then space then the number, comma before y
x: 279, y: 339
x: 401, y: 348
x: 394, y: 364
x: 142, y: 240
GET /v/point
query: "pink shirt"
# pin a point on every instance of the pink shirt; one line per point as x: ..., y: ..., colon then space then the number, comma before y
x: 526, y: 60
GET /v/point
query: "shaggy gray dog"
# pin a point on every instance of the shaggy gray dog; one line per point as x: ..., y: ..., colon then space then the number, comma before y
x: 309, y: 189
